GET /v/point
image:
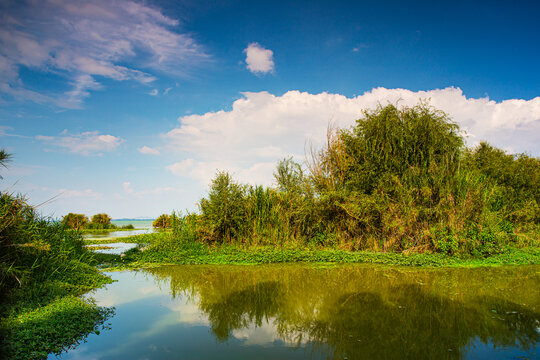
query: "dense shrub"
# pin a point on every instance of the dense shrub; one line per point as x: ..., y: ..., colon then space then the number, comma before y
x: 400, y: 179
x: 224, y: 212
x: 163, y: 221
x: 75, y: 221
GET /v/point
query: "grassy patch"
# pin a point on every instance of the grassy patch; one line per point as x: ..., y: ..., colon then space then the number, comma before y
x: 164, y: 250
x: 52, y: 328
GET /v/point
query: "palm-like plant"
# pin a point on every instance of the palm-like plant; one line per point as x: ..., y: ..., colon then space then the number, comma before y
x: 5, y: 157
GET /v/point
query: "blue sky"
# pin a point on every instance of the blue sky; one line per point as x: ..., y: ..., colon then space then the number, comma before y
x: 130, y: 107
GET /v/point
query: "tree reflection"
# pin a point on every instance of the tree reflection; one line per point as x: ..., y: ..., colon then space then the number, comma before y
x: 368, y: 313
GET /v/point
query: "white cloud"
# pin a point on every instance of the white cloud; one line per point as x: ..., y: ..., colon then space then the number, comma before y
x: 87, y: 143
x: 70, y: 193
x: 120, y: 40
x: 262, y: 128
x: 153, y: 92
x: 259, y: 173
x: 160, y: 190
x: 259, y: 59
x: 148, y: 150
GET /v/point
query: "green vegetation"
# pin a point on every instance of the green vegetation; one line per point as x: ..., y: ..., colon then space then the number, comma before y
x: 164, y: 248
x: 398, y: 188
x: 163, y: 221
x: 99, y: 223
x: 400, y: 181
x: 44, y: 268
x: 75, y: 221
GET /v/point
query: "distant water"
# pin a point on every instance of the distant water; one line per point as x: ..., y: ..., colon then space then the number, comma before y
x: 141, y: 227
x: 138, y: 224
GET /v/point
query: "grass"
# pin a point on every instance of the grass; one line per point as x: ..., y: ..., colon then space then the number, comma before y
x: 163, y: 250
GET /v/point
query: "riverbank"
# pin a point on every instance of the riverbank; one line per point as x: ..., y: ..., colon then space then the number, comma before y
x: 44, y: 271
x: 51, y: 316
x: 160, y: 249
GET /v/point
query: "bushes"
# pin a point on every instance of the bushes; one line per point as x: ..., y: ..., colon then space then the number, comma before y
x: 224, y: 212
x: 163, y: 221
x: 75, y: 221
x: 399, y: 180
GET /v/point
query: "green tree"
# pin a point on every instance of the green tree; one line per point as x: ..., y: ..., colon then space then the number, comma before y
x: 75, y: 221
x: 162, y: 222
x: 390, y: 142
x: 289, y: 176
x: 224, y: 211
x: 101, y: 219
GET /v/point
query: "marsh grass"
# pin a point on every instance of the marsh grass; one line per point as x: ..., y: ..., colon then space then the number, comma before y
x: 44, y: 268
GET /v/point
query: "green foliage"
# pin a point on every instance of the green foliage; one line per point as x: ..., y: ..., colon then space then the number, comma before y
x: 224, y: 211
x: 400, y: 180
x: 289, y: 176
x: 41, y: 263
x: 5, y: 157
x: 53, y: 328
x: 100, y: 222
x: 516, y: 183
x: 389, y: 142
x: 75, y: 221
x: 164, y: 249
x: 163, y: 221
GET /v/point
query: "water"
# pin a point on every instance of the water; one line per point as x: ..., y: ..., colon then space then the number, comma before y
x: 138, y: 224
x: 114, y: 248
x: 141, y: 227
x: 305, y: 312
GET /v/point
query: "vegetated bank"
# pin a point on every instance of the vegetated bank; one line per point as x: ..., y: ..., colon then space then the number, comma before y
x: 399, y: 184
x: 44, y: 268
x: 98, y: 223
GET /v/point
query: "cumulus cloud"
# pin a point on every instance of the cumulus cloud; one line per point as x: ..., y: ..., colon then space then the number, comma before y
x: 148, y: 150
x: 119, y: 40
x: 259, y: 59
x: 261, y: 128
x: 87, y: 143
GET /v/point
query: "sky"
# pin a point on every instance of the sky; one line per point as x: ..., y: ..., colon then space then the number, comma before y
x: 130, y: 107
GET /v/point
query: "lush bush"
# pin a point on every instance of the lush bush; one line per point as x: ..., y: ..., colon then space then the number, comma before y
x: 399, y: 180
x: 163, y: 221
x: 75, y: 221
x: 224, y: 212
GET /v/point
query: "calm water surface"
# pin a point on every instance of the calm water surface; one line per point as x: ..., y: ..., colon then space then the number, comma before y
x: 141, y: 227
x: 305, y: 312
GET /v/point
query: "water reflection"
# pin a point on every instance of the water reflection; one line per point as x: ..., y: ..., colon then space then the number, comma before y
x: 295, y: 311
x: 374, y: 313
